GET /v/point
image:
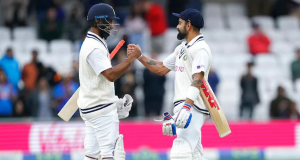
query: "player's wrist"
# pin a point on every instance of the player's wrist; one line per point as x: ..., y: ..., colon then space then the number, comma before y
x: 193, y: 93
x: 140, y: 57
x: 187, y: 106
x: 128, y: 60
x: 132, y: 57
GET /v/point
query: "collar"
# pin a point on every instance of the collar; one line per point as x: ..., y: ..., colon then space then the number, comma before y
x: 194, y: 40
x: 96, y: 37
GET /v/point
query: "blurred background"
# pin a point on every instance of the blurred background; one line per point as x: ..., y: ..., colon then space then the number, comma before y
x: 255, y: 75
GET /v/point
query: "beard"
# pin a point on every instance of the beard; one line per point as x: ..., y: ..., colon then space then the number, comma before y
x: 103, y: 34
x: 181, y: 35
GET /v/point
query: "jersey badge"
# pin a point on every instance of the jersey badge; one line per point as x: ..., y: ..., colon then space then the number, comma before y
x: 184, y: 57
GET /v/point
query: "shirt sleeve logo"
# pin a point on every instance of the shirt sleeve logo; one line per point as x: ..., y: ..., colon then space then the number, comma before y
x: 181, y: 53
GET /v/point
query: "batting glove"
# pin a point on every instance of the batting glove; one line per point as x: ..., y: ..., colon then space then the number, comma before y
x: 169, y: 128
x: 125, y: 107
x: 184, y: 116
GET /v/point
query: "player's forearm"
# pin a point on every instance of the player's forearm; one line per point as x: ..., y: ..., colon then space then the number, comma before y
x: 117, y: 71
x: 153, y: 65
x: 197, y: 81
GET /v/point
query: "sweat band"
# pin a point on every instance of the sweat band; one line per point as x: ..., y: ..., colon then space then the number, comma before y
x: 193, y: 93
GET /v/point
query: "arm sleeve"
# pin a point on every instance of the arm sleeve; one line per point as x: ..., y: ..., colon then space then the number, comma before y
x: 98, y: 61
x: 170, y: 61
x: 200, y: 62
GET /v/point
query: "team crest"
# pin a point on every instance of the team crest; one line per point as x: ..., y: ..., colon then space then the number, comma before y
x: 185, y: 57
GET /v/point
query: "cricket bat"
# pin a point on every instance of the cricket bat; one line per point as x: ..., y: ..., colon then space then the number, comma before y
x: 215, y: 109
x: 71, y: 106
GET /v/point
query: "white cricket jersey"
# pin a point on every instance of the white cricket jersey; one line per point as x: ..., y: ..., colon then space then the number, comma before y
x: 96, y: 94
x: 197, y: 59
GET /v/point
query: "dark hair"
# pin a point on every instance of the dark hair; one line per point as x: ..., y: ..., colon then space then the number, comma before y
x: 132, y: 13
x: 8, y: 49
x: 196, y: 29
x: 92, y: 23
x: 250, y: 64
x: 35, y: 51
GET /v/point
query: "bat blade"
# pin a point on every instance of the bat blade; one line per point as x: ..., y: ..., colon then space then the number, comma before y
x: 70, y: 107
x: 214, y: 109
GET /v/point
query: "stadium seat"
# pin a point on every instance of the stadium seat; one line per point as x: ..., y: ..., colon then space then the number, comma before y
x: 233, y: 60
x: 239, y: 23
x: 297, y: 85
x: 296, y: 44
x: 241, y: 35
x: 147, y: 40
x: 286, y: 59
x: 265, y: 22
x: 22, y: 58
x: 235, y: 10
x: 5, y: 34
x: 261, y: 111
x: 292, y: 36
x: 18, y: 46
x: 214, y: 24
x: 60, y: 46
x: 288, y: 85
x: 62, y: 64
x: 230, y: 106
x: 4, y: 45
x: 271, y: 85
x: 171, y: 40
x: 281, y: 48
x: 266, y: 60
x: 24, y: 33
x: 228, y: 72
x: 220, y: 36
x: 45, y: 58
x: 266, y: 72
x: 215, y: 47
x: 264, y: 91
x: 275, y: 35
x: 39, y: 45
x: 228, y: 94
x: 268, y: 88
x: 234, y: 47
x: 208, y: 35
x: 288, y: 23
x: 212, y: 10
x: 161, y: 57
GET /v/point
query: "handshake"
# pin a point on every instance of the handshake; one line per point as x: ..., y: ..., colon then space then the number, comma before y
x: 133, y: 52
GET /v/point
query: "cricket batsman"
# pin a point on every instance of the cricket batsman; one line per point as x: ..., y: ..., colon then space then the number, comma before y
x: 191, y: 62
x: 99, y: 107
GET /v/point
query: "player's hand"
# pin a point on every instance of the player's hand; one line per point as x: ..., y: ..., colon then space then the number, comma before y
x: 184, y: 116
x: 169, y: 128
x: 134, y: 51
x: 130, y: 49
x: 125, y: 107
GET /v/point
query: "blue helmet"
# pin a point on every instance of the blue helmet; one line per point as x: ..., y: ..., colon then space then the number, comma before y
x: 101, y: 11
x: 98, y: 16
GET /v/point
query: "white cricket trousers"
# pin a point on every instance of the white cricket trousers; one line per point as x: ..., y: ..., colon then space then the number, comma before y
x: 101, y: 134
x: 193, y: 132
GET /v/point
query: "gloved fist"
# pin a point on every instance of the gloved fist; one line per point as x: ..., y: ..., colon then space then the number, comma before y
x: 124, y: 106
x: 184, y: 116
x: 169, y: 128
